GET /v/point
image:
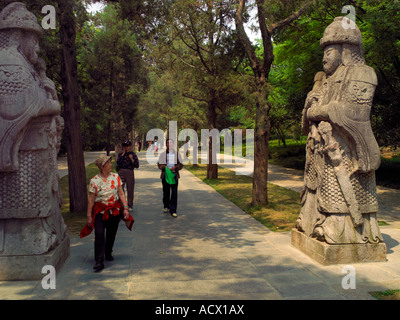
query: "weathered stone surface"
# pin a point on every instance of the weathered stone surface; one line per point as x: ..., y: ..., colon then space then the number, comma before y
x: 29, y: 267
x: 32, y: 229
x: 339, y: 199
x: 327, y: 254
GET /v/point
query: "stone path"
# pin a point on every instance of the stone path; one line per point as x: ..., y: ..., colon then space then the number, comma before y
x: 90, y: 157
x: 213, y: 250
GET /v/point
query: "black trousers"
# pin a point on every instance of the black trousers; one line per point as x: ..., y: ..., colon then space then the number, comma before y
x: 128, y: 178
x: 170, y: 195
x: 105, y: 232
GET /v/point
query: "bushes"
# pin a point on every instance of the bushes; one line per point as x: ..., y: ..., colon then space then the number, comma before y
x: 294, y: 155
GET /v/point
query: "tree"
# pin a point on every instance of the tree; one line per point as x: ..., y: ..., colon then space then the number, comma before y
x: 113, y: 74
x: 204, y: 45
x: 299, y: 57
x: 261, y: 69
x: 71, y: 111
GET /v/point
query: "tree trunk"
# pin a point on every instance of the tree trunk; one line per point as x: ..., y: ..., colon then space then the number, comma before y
x: 72, y: 113
x: 261, y: 138
x: 261, y: 69
x: 110, y: 108
x: 212, y: 166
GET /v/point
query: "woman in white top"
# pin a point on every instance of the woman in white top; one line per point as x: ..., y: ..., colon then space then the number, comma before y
x: 171, y: 159
x: 103, y: 213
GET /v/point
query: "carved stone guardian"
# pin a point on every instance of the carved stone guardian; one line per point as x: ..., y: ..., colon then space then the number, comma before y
x: 32, y: 230
x: 337, y: 223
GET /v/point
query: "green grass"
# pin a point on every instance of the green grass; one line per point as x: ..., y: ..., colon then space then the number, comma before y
x: 387, y: 295
x: 279, y: 215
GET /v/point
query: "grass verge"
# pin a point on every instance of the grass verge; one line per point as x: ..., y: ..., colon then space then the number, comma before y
x: 279, y: 215
x: 387, y: 295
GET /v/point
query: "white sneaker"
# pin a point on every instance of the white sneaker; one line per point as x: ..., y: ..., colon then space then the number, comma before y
x: 130, y: 209
x: 174, y: 214
x: 165, y: 210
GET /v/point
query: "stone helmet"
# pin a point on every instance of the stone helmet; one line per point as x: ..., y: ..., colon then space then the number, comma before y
x: 16, y: 16
x: 336, y: 34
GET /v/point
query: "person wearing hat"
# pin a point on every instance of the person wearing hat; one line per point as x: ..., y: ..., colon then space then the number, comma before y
x: 127, y: 161
x: 103, y: 213
x: 339, y: 198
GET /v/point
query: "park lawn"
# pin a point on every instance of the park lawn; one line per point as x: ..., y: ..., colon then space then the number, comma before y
x: 279, y: 215
x: 387, y: 295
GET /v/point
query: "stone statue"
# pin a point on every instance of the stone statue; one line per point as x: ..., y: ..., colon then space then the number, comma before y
x: 32, y: 230
x: 339, y: 200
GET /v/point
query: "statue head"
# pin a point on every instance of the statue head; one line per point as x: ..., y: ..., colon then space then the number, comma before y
x: 342, y: 46
x: 17, y: 16
x: 23, y: 29
x: 332, y: 58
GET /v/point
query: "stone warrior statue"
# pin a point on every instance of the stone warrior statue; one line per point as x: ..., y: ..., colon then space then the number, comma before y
x: 32, y: 230
x: 339, y: 200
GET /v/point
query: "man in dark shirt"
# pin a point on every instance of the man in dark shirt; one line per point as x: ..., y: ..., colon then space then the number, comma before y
x: 126, y: 162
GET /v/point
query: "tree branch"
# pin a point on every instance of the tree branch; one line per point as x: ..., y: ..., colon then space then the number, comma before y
x: 194, y: 98
x: 244, y: 39
x: 291, y: 18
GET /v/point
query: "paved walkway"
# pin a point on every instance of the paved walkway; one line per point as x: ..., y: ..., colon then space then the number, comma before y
x: 90, y: 157
x: 213, y: 250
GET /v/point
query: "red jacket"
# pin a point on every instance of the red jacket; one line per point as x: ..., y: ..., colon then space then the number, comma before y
x: 99, y: 207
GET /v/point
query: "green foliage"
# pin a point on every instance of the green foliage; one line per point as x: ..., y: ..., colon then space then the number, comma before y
x: 113, y: 78
x: 241, y: 117
x: 298, y: 58
x: 194, y: 55
x: 292, y: 155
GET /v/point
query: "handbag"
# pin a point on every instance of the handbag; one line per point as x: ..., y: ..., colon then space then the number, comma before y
x: 169, y: 176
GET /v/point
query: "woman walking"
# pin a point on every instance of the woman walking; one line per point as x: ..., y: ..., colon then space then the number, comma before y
x: 170, y: 160
x: 103, y: 212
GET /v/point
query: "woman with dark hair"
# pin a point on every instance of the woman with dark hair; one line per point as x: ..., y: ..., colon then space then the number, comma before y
x: 170, y: 160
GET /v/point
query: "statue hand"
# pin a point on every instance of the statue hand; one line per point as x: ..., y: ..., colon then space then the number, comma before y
x: 51, y: 88
x: 317, y: 113
x: 52, y: 107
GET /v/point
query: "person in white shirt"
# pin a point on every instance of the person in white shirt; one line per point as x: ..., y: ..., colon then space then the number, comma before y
x: 171, y: 159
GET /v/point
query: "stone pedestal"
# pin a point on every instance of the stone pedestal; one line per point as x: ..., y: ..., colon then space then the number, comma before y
x: 29, y: 267
x: 328, y: 254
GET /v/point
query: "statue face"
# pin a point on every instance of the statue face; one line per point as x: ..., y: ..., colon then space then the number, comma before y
x: 332, y: 58
x: 30, y: 47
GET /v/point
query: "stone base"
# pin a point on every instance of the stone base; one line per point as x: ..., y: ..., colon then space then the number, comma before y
x: 328, y: 254
x: 29, y: 267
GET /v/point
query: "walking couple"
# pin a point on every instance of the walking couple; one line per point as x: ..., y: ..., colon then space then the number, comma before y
x: 169, y: 162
